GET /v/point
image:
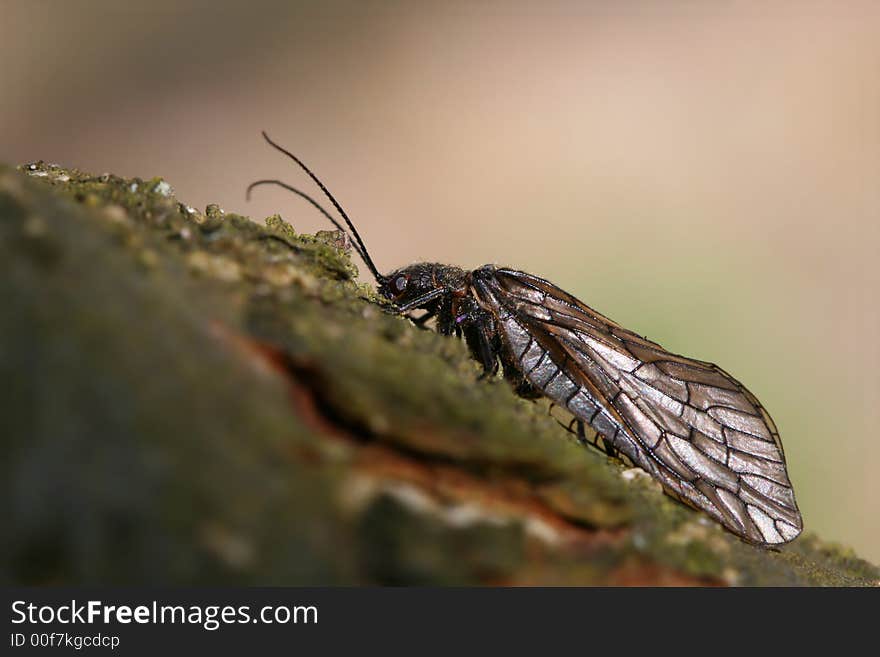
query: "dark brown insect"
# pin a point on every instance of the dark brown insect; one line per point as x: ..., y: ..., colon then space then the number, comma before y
x: 688, y: 423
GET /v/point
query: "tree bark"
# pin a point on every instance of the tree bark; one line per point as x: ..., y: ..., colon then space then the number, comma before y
x: 195, y: 398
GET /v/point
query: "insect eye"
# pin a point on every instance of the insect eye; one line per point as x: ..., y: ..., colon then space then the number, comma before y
x: 400, y: 283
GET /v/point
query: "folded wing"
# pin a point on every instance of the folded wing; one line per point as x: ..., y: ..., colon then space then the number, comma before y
x: 688, y: 423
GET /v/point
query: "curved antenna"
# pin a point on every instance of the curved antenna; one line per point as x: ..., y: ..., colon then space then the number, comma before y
x: 302, y: 194
x: 363, y: 252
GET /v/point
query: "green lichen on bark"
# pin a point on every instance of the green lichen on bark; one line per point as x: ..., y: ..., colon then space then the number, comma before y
x: 193, y: 397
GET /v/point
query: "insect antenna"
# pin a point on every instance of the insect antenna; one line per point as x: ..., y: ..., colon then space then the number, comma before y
x: 302, y: 194
x: 362, y: 251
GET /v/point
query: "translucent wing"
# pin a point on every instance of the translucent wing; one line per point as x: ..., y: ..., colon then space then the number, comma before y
x: 692, y: 426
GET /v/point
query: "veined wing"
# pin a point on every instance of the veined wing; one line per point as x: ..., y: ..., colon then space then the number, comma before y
x: 692, y: 426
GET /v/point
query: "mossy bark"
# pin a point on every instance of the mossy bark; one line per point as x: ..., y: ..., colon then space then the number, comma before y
x: 194, y: 398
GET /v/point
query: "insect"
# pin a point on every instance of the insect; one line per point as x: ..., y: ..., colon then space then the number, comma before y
x: 689, y: 424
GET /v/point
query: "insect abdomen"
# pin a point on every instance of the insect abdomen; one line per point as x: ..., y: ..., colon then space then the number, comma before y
x: 542, y: 371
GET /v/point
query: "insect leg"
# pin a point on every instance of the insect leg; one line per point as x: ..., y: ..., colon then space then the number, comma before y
x: 422, y: 300
x: 576, y: 427
x: 606, y: 446
x: 488, y: 357
x: 527, y: 390
x: 478, y: 334
x: 600, y: 442
x: 446, y: 324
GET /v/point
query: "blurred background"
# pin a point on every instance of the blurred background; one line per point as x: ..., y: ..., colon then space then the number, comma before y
x: 704, y: 173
